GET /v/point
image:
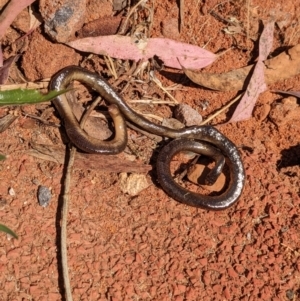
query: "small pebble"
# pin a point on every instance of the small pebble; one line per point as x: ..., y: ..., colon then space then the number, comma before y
x: 290, y: 294
x: 133, y: 184
x: 169, y: 28
x: 187, y: 115
x: 11, y: 191
x: 44, y: 196
x: 62, y: 18
x: 36, y: 182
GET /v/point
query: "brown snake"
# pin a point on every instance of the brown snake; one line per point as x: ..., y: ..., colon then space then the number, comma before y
x: 200, y: 139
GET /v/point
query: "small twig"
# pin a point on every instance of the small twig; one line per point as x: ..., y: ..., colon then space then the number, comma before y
x: 127, y: 76
x: 65, y: 206
x: 181, y: 14
x: 152, y: 116
x: 220, y: 18
x: 158, y: 83
x: 176, y: 87
x: 248, y: 20
x: 1, y: 57
x: 152, y: 101
x: 142, y: 65
x: 184, y: 173
x: 89, y: 111
x: 151, y: 16
x: 29, y: 85
x: 63, y: 235
x: 225, y: 51
x: 110, y: 65
x: 209, y: 118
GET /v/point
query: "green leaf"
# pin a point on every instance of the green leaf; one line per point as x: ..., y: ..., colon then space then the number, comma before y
x: 8, y: 231
x: 23, y: 96
x: 2, y: 157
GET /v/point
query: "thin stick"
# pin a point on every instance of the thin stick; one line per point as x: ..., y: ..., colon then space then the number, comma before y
x: 158, y: 83
x: 209, y: 118
x: 181, y: 14
x: 89, y: 111
x: 66, y: 197
x: 151, y: 116
x: 110, y: 65
x: 1, y: 57
x: 63, y: 235
x: 29, y: 85
x: 152, y: 101
x: 248, y: 20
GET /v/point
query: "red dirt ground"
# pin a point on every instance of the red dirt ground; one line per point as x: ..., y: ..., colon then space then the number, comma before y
x: 149, y: 247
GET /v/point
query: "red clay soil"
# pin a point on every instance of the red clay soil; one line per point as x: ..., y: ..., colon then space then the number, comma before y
x: 150, y: 247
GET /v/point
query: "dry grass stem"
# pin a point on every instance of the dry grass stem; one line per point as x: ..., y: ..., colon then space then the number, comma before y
x: 29, y: 85
x: 66, y: 197
x: 158, y: 83
x: 153, y: 116
x: 110, y: 65
x: 152, y: 101
x: 209, y: 118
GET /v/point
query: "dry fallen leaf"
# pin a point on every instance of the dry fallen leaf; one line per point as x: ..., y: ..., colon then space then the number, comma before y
x: 292, y: 93
x: 279, y: 68
x: 174, y: 54
x: 257, y: 83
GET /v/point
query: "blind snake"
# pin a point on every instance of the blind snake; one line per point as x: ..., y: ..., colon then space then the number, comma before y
x: 192, y: 138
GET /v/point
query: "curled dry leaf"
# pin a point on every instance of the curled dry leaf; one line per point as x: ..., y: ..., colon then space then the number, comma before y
x: 174, y: 54
x: 281, y: 67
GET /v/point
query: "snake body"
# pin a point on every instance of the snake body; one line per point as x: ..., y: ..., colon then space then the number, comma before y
x: 189, y: 138
x: 177, y: 192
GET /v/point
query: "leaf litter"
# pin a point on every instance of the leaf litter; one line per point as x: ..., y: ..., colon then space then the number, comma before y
x: 174, y: 54
x: 283, y: 66
x: 257, y: 83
